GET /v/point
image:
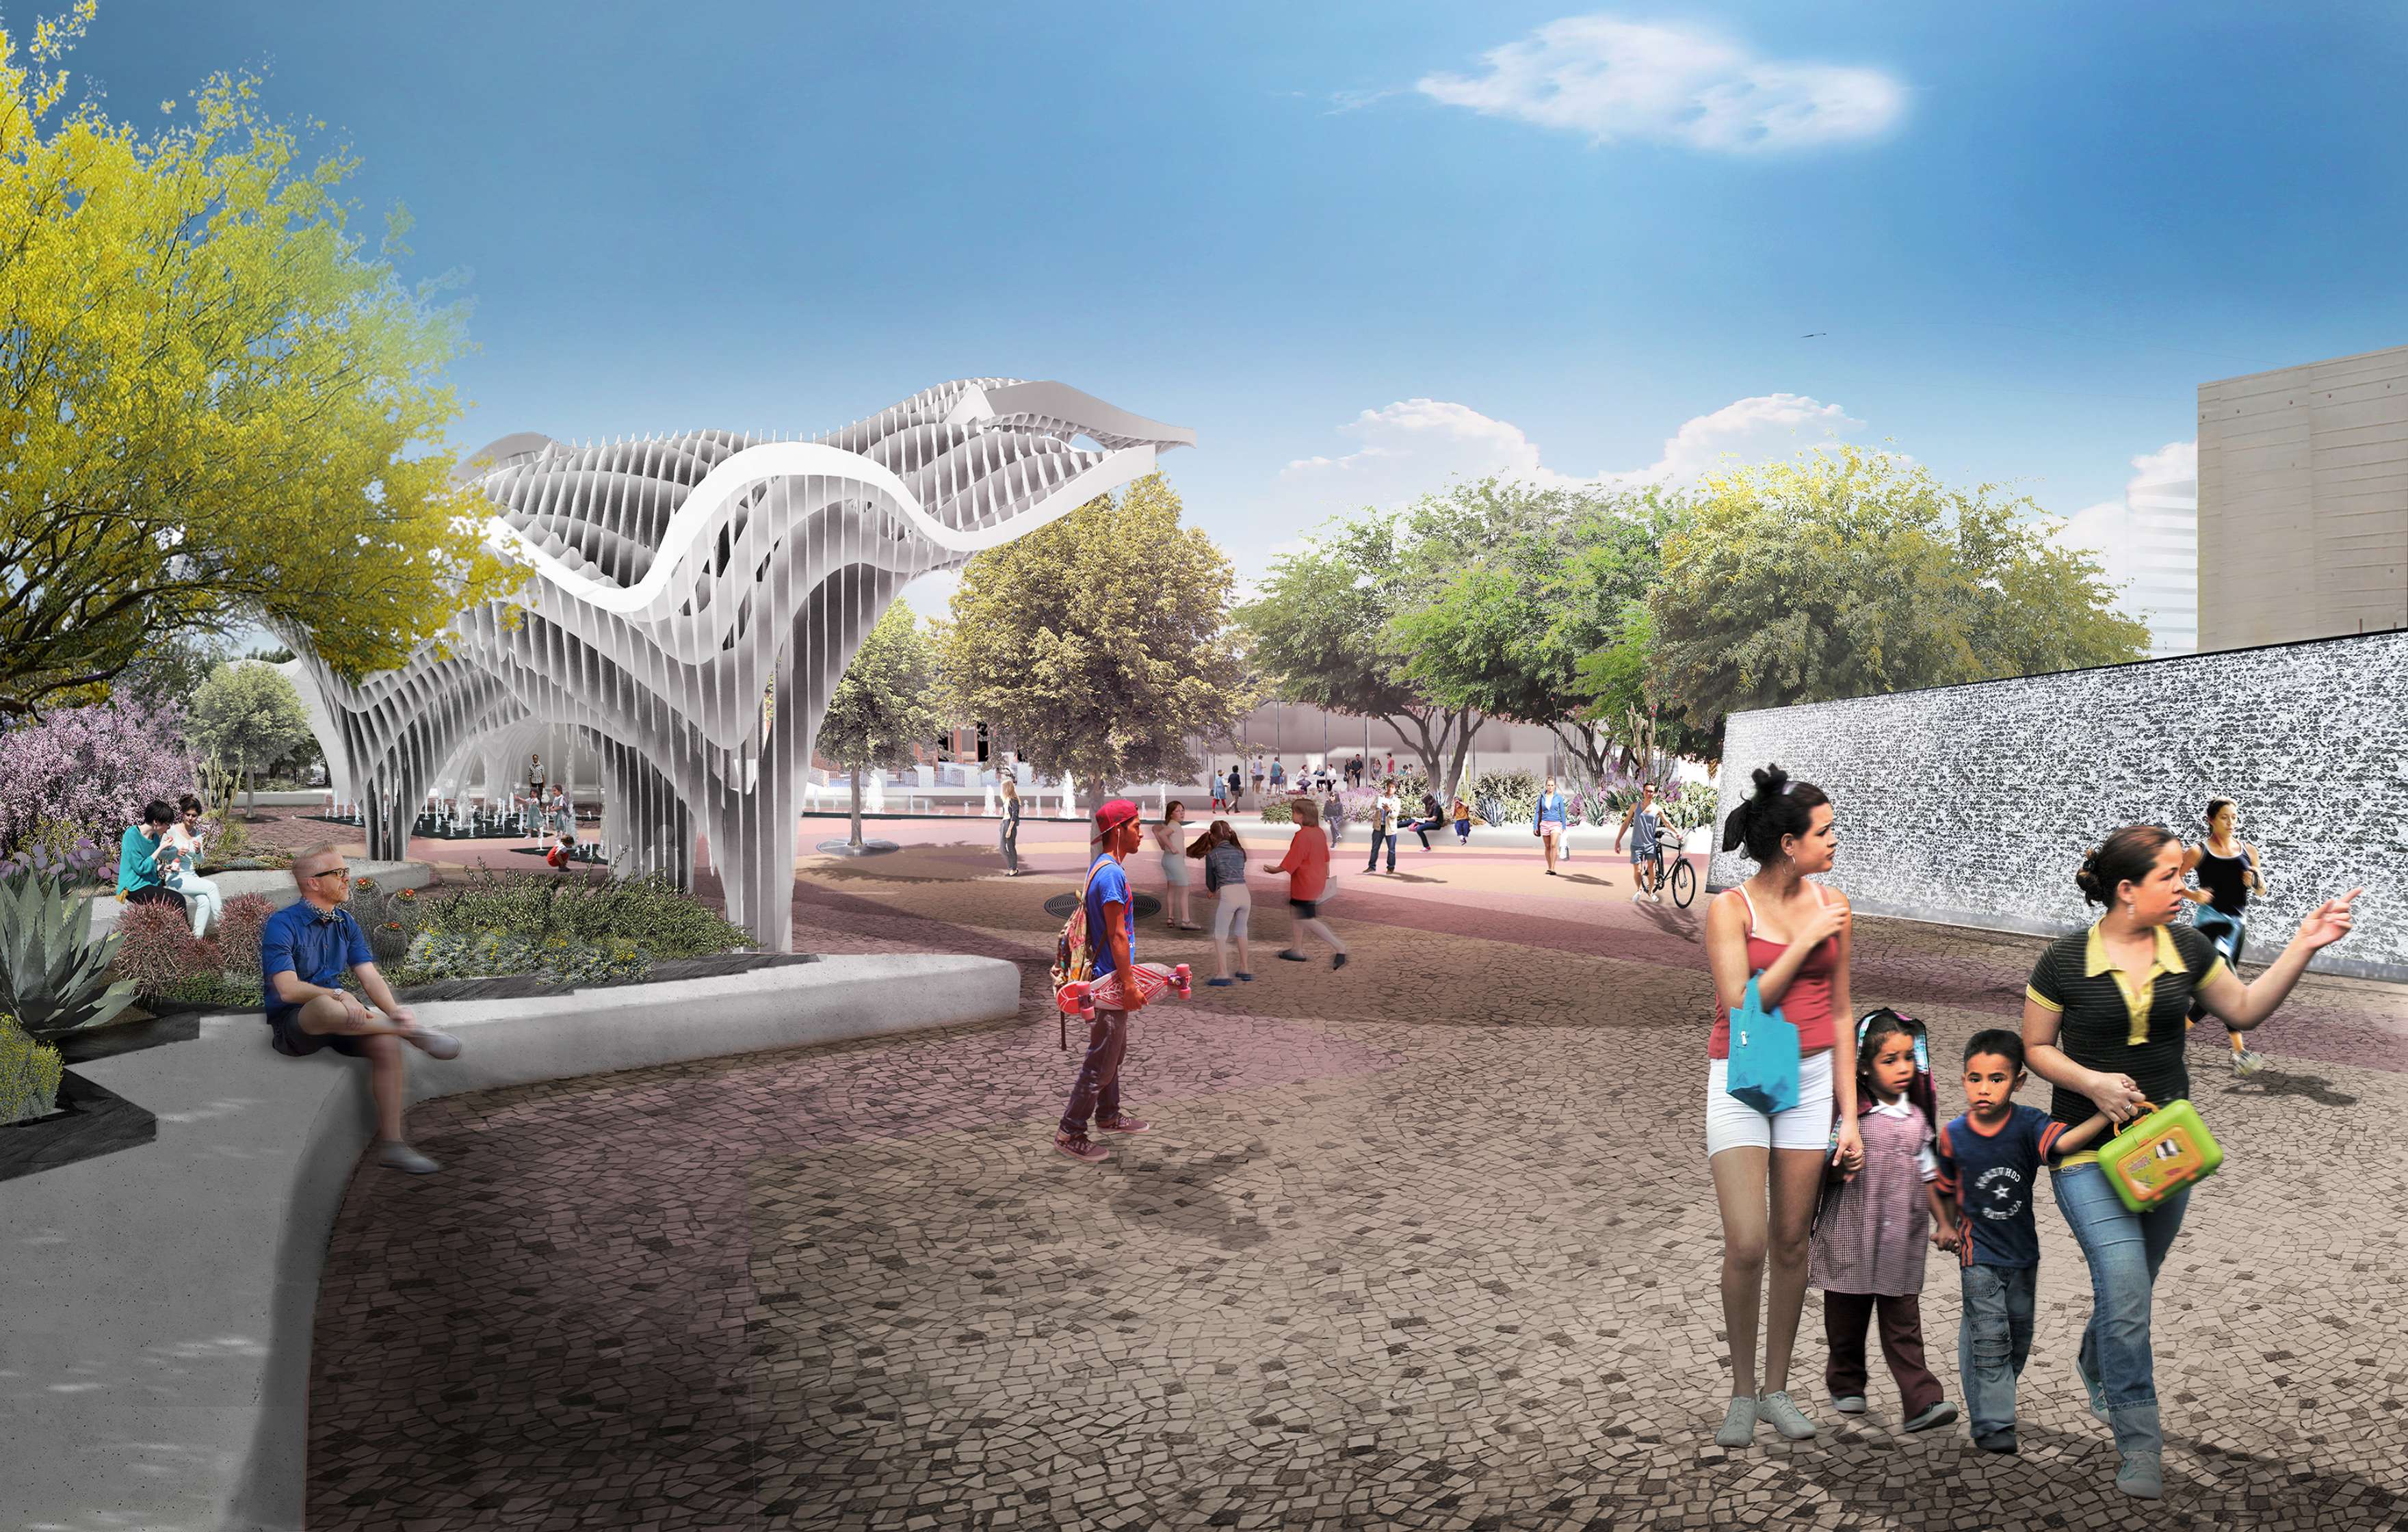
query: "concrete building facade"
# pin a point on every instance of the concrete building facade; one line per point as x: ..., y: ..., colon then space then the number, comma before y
x: 2303, y: 502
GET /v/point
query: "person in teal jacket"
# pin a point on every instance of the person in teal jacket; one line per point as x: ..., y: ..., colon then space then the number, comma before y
x: 138, y: 853
x: 1548, y: 823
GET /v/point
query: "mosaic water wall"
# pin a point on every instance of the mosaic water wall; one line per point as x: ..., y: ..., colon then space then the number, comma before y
x: 1975, y: 804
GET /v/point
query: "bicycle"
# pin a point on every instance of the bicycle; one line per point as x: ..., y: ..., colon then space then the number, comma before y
x: 1673, y: 869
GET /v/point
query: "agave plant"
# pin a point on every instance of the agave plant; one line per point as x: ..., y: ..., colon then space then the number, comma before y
x: 54, y: 977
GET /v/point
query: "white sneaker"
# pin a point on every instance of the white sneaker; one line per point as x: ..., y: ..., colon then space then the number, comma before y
x: 1637, y: 895
x: 400, y: 1156
x: 435, y: 1045
x: 1654, y: 898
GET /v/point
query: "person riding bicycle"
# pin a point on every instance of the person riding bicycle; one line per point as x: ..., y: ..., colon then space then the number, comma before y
x: 1646, y: 820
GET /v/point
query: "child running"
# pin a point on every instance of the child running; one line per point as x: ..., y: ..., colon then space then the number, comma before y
x: 1225, y: 877
x: 1989, y: 1161
x: 1307, y: 866
x: 1868, y: 1241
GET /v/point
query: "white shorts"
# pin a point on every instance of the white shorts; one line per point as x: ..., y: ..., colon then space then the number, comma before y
x: 1732, y: 1123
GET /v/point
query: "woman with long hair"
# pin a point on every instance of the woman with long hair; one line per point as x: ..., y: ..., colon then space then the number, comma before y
x: 2104, y: 1021
x: 1170, y: 838
x: 1008, y: 841
x: 2229, y: 874
x: 1792, y: 937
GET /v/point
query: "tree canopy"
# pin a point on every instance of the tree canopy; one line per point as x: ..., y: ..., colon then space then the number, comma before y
x: 1321, y: 632
x: 1846, y: 573
x: 884, y: 702
x: 1097, y: 643
x: 220, y: 409
x: 249, y: 716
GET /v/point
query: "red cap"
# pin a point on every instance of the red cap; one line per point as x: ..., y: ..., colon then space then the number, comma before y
x: 1113, y: 813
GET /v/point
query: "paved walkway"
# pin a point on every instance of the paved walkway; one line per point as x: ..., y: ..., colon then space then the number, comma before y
x: 1428, y: 1243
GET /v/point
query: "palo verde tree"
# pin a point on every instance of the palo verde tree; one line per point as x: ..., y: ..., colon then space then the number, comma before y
x: 1098, y: 643
x: 883, y: 703
x: 220, y: 408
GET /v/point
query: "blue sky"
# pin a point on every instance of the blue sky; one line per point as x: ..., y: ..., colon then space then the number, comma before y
x: 1359, y: 246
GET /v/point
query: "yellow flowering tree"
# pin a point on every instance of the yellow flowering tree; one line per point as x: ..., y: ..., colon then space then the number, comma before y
x: 220, y: 409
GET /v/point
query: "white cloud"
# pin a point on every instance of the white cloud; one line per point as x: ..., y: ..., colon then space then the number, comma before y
x: 1615, y: 80
x: 1414, y: 446
x: 2147, y: 543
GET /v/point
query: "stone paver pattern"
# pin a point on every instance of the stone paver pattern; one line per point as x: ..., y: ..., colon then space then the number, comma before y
x: 1426, y: 1243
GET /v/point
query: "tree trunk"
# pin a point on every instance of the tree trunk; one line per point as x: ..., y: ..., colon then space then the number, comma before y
x: 853, y: 775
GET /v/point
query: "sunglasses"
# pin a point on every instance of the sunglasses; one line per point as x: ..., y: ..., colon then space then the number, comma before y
x: 344, y: 873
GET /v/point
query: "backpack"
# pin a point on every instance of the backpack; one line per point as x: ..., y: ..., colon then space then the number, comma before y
x: 1074, y: 950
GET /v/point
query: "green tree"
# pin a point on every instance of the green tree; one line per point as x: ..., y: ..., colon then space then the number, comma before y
x: 249, y: 716
x: 1321, y: 632
x: 220, y: 410
x: 1513, y: 587
x: 883, y: 703
x: 1098, y: 643
x: 1847, y: 573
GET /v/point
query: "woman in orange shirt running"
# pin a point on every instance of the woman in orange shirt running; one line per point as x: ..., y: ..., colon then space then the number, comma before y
x: 1307, y: 866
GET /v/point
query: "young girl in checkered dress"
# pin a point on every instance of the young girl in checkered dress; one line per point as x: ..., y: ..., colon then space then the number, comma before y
x: 1869, y: 1237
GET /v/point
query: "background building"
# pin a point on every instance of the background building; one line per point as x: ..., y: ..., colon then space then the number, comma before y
x: 2303, y: 502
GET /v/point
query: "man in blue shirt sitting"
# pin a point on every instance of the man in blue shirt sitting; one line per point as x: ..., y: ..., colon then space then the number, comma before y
x: 303, y: 950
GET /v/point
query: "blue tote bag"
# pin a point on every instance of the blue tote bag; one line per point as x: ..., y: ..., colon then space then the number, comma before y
x: 1762, y: 1070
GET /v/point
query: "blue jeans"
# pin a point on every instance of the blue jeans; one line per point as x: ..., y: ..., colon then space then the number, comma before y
x: 2124, y: 1249
x: 1993, y: 1340
x: 1379, y: 835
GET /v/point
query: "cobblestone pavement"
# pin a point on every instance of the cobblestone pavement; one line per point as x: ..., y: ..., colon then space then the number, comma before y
x: 1428, y: 1243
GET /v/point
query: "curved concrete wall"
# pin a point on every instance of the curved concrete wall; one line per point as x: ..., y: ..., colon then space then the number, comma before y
x: 161, y: 1299
x: 1975, y: 804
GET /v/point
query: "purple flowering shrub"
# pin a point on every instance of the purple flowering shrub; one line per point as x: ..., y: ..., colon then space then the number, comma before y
x: 81, y: 776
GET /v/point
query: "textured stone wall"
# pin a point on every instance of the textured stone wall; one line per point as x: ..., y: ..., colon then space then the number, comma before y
x: 1975, y: 804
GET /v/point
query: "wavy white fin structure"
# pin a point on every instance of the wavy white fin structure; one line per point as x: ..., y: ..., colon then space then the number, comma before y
x: 677, y: 584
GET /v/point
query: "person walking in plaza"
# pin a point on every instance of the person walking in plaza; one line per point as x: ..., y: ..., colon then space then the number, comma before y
x: 1868, y: 1241
x: 1647, y: 821
x: 1257, y: 775
x: 1008, y: 838
x: 1112, y: 936
x: 1220, y: 788
x: 1279, y: 777
x: 1385, y: 812
x: 2104, y: 1020
x: 2229, y: 876
x: 1307, y: 866
x: 1171, y: 839
x: 305, y: 949
x: 1791, y: 937
x: 1548, y: 823
x: 1989, y: 1167
x: 179, y: 865
x: 1224, y: 878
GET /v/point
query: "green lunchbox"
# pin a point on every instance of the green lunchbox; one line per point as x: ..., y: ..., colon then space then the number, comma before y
x: 2158, y: 1156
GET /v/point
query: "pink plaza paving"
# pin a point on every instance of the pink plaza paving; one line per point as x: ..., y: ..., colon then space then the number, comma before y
x: 1423, y: 1242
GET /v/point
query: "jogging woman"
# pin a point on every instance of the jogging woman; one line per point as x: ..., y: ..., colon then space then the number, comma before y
x: 2104, y: 1019
x: 1792, y: 937
x: 2228, y: 876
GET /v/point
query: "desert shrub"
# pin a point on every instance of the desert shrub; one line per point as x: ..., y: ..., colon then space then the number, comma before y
x: 63, y: 852
x: 157, y: 948
x: 438, y: 955
x: 1277, y: 812
x: 239, y: 924
x: 1504, y: 797
x: 229, y: 991
x: 87, y: 771
x: 29, y: 1074
x: 651, y: 911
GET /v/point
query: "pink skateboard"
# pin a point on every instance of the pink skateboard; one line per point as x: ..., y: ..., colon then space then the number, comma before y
x: 1084, y: 998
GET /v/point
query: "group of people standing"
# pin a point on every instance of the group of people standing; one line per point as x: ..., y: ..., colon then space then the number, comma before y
x: 2103, y: 1023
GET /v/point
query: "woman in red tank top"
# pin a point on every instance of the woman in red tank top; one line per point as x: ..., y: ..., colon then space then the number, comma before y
x: 1792, y: 936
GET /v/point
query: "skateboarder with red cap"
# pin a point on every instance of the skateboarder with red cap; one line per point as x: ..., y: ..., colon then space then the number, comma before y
x: 1110, y: 927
